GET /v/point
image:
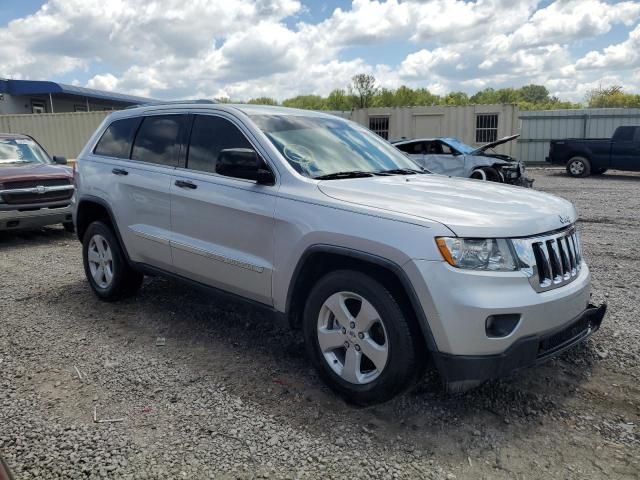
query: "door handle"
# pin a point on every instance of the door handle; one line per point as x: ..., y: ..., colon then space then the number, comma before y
x: 119, y: 171
x: 184, y: 184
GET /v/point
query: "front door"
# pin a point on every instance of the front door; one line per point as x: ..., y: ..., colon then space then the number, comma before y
x: 439, y: 158
x: 222, y: 227
x: 625, y: 151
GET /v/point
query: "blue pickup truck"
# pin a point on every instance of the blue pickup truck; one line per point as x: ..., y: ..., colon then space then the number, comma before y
x: 594, y: 156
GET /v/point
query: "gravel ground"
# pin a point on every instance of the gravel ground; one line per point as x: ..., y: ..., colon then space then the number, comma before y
x: 231, y: 395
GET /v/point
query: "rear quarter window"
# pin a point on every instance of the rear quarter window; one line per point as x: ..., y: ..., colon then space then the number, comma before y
x: 117, y: 138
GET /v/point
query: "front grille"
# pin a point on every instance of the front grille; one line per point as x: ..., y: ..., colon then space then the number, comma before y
x: 566, y: 336
x: 49, y: 182
x: 29, y: 198
x: 556, y: 259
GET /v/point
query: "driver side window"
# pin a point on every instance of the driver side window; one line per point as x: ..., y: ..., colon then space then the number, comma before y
x: 210, y: 135
x: 446, y: 149
x: 438, y: 148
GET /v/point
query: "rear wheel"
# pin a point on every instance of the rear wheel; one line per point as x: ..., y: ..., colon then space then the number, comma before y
x: 578, y: 167
x: 105, y: 265
x: 358, y: 338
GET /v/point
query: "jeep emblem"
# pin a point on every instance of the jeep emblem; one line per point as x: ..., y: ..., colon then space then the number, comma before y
x: 564, y: 220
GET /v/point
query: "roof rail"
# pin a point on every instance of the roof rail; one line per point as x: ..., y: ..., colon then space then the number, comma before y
x: 201, y: 101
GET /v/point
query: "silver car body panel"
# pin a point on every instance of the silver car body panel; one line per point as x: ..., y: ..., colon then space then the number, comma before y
x: 249, y: 239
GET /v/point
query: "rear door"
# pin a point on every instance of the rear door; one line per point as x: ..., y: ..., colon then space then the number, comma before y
x: 625, y: 149
x: 222, y: 227
x: 138, y: 181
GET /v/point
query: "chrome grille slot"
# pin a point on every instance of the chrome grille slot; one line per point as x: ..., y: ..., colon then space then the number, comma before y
x: 554, y: 259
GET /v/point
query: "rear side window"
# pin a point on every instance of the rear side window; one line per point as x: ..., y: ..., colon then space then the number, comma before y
x: 414, y: 147
x: 158, y: 140
x: 625, y: 134
x: 117, y: 138
x: 209, y: 136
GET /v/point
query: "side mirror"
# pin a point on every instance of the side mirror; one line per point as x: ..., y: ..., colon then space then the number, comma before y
x: 59, y: 160
x: 244, y: 163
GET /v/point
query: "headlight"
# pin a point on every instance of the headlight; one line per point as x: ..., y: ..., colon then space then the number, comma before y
x: 477, y: 254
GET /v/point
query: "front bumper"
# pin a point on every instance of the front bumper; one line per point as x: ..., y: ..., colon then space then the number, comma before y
x: 461, y: 372
x: 26, y: 219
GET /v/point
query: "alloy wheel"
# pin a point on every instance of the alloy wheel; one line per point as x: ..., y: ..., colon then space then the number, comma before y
x: 352, y: 338
x: 100, y: 261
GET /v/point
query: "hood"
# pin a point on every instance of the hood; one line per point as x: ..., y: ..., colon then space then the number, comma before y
x: 489, y: 145
x: 30, y: 171
x: 470, y: 208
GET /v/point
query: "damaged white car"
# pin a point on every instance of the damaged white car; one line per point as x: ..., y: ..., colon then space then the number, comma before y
x: 450, y: 156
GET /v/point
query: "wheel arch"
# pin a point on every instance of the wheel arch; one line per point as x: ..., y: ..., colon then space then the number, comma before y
x: 318, y: 260
x: 89, y: 210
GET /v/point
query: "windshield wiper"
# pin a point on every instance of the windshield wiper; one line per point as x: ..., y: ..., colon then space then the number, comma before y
x: 402, y: 171
x: 345, y: 174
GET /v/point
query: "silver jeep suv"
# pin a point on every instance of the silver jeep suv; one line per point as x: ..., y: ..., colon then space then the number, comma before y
x: 383, y: 265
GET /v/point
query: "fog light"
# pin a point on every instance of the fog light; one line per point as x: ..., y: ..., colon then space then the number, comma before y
x: 498, y: 326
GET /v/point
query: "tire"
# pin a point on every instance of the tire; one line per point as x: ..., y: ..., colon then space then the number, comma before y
x: 578, y: 167
x: 389, y: 337
x: 599, y: 171
x: 478, y: 174
x: 489, y: 174
x: 69, y: 227
x: 122, y: 281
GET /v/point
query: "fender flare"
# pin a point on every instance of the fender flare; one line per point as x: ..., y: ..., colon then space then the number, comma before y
x: 112, y: 219
x: 396, y: 269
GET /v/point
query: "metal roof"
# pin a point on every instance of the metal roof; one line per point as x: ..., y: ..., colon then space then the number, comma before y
x: 39, y: 87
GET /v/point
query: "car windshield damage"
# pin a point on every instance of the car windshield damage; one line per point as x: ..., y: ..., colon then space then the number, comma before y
x: 458, y: 145
x: 331, y: 149
x: 21, y: 150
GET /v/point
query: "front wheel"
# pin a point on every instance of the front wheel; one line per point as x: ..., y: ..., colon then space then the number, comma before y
x: 578, y: 167
x: 107, y: 270
x: 358, y: 338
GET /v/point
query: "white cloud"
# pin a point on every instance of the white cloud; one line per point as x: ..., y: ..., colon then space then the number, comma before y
x: 103, y: 82
x: 249, y: 48
x: 623, y: 55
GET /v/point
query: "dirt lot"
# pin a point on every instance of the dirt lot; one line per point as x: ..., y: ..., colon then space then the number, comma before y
x: 231, y: 394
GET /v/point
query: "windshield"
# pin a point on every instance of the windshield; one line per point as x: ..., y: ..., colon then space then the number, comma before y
x: 458, y: 145
x: 321, y: 146
x: 21, y: 150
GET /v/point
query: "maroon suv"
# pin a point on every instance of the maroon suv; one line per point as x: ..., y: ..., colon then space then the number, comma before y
x: 35, y: 189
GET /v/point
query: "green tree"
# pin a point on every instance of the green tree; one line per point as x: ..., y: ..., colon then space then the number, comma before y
x: 425, y: 98
x: 534, y: 93
x: 613, y: 96
x: 363, y: 86
x: 307, y: 102
x: 339, y: 100
x: 263, y: 101
x: 456, y: 98
x: 384, y: 97
x: 405, y: 97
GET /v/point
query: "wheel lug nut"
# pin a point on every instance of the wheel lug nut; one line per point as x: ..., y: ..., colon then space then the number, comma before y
x: 346, y: 344
x: 357, y: 348
x: 352, y: 325
x: 360, y: 335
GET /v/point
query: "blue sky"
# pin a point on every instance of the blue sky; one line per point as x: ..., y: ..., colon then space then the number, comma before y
x: 246, y: 48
